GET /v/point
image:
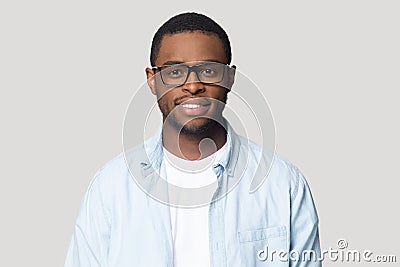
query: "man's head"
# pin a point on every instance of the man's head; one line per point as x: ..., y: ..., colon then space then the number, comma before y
x: 189, y: 22
x: 190, y: 39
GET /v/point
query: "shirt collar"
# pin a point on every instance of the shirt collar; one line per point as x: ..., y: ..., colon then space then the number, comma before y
x: 154, y: 151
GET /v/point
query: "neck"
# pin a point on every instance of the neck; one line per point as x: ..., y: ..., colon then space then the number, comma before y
x: 193, y: 146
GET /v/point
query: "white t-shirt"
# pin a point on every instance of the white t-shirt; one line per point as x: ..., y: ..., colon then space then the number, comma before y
x: 190, y: 232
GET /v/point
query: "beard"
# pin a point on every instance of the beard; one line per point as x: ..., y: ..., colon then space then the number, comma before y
x: 190, y: 129
x: 194, y: 126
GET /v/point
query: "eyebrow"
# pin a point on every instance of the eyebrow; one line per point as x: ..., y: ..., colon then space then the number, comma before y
x: 181, y: 62
x: 172, y: 63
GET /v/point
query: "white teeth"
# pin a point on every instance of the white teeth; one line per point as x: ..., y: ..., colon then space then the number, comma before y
x: 190, y: 105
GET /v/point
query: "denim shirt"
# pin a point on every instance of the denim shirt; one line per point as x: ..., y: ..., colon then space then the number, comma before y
x: 121, y: 223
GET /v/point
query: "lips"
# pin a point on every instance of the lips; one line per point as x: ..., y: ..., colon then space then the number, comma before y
x: 193, y: 106
x: 195, y: 101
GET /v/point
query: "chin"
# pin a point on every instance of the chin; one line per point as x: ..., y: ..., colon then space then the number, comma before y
x: 193, y: 128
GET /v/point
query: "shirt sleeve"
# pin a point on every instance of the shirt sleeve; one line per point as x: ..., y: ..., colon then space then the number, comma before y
x: 89, y: 241
x: 304, y: 241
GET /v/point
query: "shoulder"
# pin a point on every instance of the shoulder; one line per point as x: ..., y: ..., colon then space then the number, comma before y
x: 297, y: 184
x: 270, y: 168
x: 115, y: 176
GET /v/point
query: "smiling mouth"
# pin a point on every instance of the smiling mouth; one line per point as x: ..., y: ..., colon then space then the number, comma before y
x: 194, y: 107
x: 191, y: 102
x: 191, y: 106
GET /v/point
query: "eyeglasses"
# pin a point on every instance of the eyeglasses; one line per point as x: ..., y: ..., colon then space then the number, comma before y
x: 178, y: 74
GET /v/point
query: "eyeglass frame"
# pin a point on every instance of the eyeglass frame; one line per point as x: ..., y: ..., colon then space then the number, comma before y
x: 190, y: 70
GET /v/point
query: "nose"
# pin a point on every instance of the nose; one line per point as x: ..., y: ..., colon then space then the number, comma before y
x: 193, y: 84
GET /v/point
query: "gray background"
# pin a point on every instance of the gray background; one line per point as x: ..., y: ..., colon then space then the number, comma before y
x: 330, y: 71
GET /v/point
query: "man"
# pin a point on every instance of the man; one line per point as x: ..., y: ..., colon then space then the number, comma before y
x: 182, y: 198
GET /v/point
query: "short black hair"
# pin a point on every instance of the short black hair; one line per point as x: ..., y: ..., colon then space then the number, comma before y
x: 189, y: 22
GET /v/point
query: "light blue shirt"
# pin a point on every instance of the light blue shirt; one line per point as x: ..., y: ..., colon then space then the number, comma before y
x: 122, y: 223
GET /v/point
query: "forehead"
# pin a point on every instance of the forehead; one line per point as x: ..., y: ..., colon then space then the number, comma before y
x: 191, y: 46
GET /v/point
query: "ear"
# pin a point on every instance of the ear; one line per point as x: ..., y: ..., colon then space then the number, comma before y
x: 151, y: 80
x: 231, y: 74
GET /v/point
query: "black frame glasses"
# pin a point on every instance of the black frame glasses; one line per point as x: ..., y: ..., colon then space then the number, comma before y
x: 206, y: 72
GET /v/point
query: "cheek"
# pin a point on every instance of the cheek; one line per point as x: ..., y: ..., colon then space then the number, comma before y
x: 220, y: 94
x: 165, y: 97
x: 162, y: 101
x: 162, y: 104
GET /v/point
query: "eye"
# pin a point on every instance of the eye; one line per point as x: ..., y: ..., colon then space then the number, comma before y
x: 175, y: 73
x: 209, y: 72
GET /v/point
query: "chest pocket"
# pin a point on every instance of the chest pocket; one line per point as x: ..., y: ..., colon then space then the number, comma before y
x: 261, y: 247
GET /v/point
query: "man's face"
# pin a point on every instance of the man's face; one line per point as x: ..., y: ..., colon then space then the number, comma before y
x: 189, y: 105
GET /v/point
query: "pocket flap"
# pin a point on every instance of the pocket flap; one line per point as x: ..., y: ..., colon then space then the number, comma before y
x: 262, y: 234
